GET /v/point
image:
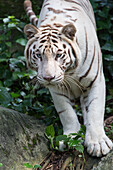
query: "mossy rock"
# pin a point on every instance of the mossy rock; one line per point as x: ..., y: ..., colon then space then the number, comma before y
x: 21, y: 140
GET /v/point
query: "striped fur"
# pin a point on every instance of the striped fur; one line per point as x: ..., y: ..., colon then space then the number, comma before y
x: 64, y: 50
x: 30, y: 13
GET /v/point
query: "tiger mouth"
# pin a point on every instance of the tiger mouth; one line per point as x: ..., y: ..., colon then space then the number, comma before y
x: 49, y: 82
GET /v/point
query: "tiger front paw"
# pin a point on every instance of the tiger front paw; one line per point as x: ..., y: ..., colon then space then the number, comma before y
x: 62, y: 146
x: 98, y: 146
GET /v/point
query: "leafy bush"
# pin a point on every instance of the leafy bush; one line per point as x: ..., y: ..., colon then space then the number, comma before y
x: 72, y: 141
x: 16, y: 84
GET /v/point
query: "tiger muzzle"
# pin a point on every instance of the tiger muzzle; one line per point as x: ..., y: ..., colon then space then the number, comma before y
x: 48, y: 78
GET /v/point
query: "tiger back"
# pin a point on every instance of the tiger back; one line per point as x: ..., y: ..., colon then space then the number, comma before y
x: 64, y: 50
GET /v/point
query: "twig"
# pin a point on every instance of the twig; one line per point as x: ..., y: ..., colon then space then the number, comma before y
x: 67, y: 161
x: 47, y: 156
x: 74, y: 162
x: 46, y: 163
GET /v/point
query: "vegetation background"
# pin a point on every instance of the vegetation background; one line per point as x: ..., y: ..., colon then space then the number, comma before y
x: 18, y: 88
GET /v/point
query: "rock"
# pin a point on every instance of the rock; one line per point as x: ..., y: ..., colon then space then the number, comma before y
x: 21, y: 140
x: 106, y: 163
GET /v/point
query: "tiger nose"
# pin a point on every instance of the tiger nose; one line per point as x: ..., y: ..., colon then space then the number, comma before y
x: 48, y: 78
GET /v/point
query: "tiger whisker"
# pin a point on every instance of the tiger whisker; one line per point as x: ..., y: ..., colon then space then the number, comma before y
x: 67, y: 86
x: 76, y: 82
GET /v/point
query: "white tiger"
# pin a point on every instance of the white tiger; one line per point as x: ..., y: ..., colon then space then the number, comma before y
x: 64, y: 50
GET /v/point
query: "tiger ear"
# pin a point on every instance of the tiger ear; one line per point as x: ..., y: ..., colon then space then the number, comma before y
x: 30, y: 30
x: 69, y: 31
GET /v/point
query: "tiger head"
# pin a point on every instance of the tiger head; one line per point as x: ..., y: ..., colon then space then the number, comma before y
x: 51, y: 53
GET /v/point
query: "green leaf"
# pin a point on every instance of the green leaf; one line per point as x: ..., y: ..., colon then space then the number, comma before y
x: 8, y: 82
x: 108, y: 57
x: 1, y: 84
x: 5, y: 97
x: 61, y: 137
x: 108, y: 47
x: 21, y: 41
x: 15, y: 95
x: 50, y: 131
x: 22, y: 58
x: 27, y: 165
x: 11, y: 25
x: 79, y: 148
x: 8, y: 44
x: 1, y: 164
x: 37, y: 166
x: 11, y: 17
x: 3, y: 59
x: 110, y: 68
x: 73, y: 143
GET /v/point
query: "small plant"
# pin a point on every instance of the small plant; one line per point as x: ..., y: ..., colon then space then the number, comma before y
x: 28, y: 165
x: 72, y: 141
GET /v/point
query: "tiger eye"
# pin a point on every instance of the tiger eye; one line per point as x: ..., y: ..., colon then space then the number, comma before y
x: 39, y: 55
x: 58, y: 55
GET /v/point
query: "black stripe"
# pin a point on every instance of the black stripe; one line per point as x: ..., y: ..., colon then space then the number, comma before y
x: 64, y: 59
x: 76, y: 62
x: 34, y: 46
x: 43, y: 41
x: 70, y: 57
x: 40, y: 45
x: 54, y: 36
x: 71, y: 9
x: 89, y: 67
x: 55, y: 11
x: 64, y: 46
x: 59, y: 50
x: 61, y: 111
x: 27, y: 51
x: 46, y: 26
x: 77, y: 42
x: 55, y: 45
x: 42, y: 37
x: 95, y: 76
x: 30, y: 13
x: 54, y: 41
x: 86, y: 46
x: 27, y: 9
x: 87, y: 107
x: 36, y: 22
x: 46, y: 5
x: 44, y: 32
x: 33, y: 19
x: 54, y: 32
x: 74, y: 20
x: 71, y: 1
x: 73, y: 52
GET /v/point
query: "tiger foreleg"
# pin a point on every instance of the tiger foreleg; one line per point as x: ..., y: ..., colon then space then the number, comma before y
x: 93, y: 104
x: 66, y: 113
